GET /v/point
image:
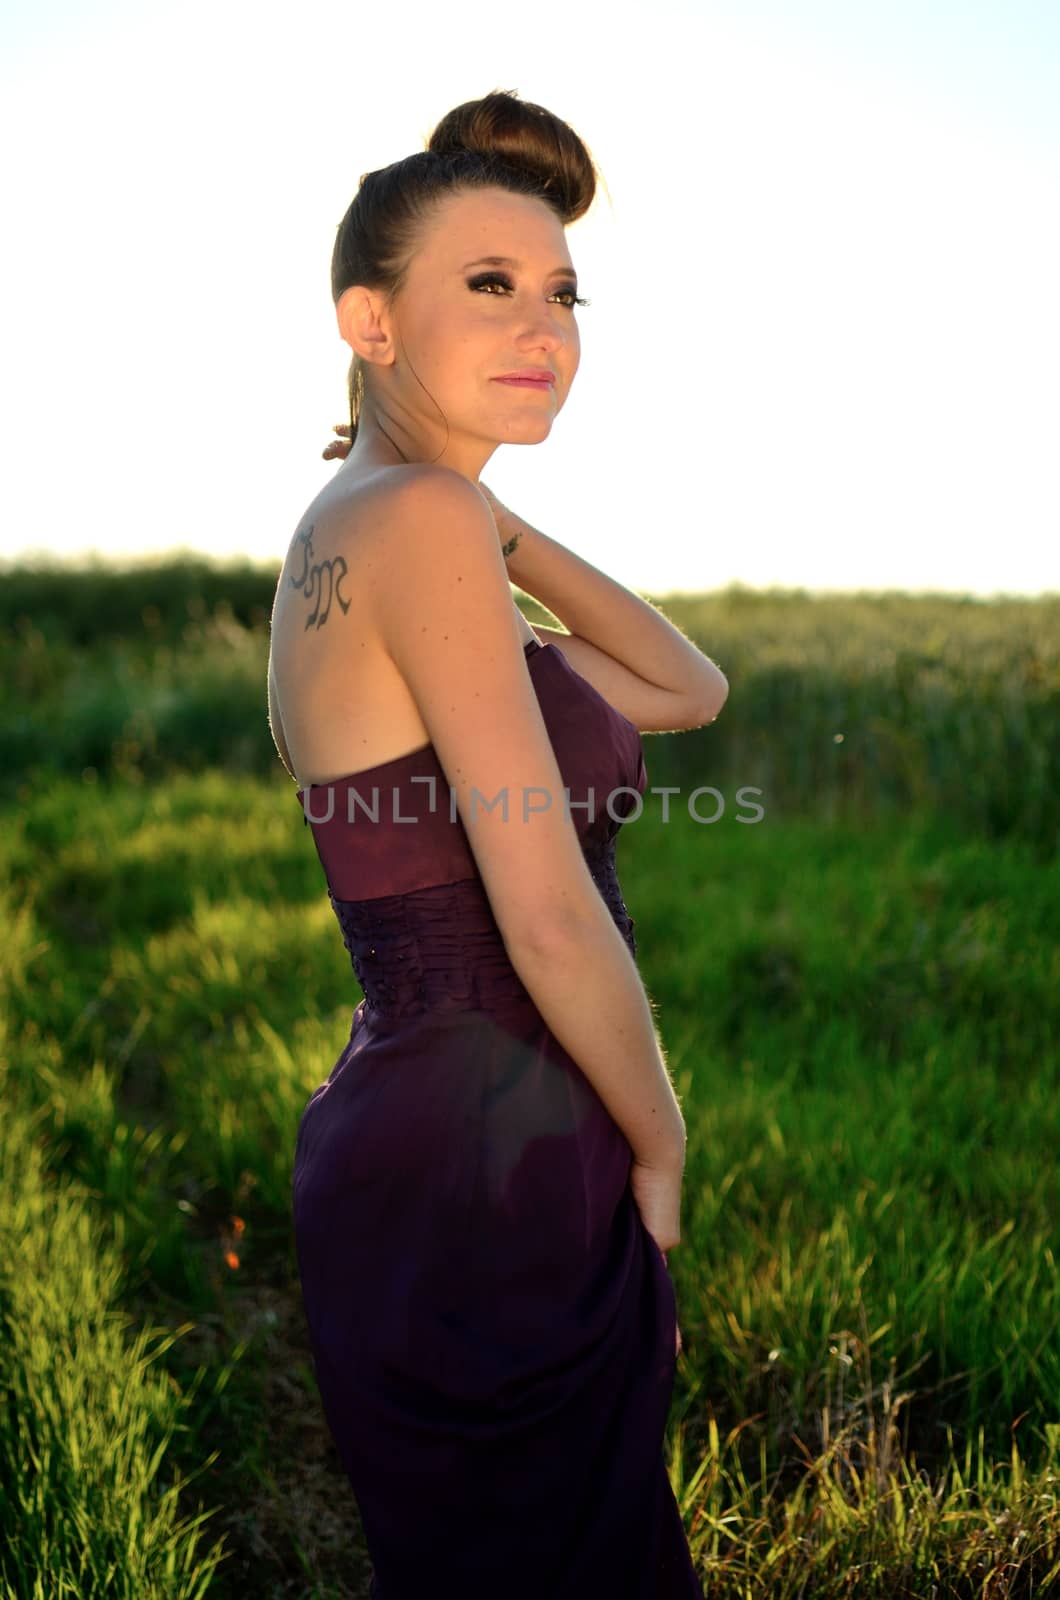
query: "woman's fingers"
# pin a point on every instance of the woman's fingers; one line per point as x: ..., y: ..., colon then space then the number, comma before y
x: 339, y: 446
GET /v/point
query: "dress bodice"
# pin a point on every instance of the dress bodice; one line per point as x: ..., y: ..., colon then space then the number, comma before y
x: 402, y: 877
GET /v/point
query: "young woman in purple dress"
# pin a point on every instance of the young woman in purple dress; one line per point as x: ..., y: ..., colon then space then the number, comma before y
x: 488, y: 1182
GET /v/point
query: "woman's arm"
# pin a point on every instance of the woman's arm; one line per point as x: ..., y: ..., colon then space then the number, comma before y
x: 609, y: 617
x: 623, y: 645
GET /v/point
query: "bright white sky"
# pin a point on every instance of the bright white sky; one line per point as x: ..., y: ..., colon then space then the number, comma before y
x: 824, y: 341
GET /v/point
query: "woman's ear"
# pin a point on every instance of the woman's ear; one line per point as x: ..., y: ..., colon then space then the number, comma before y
x: 362, y: 323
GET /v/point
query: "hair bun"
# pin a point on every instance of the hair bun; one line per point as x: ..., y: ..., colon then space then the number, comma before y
x: 527, y: 138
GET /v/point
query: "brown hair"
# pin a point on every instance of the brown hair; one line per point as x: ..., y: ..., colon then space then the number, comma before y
x: 499, y: 141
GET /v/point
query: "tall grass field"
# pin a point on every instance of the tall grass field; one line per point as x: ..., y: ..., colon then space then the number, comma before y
x: 851, y: 940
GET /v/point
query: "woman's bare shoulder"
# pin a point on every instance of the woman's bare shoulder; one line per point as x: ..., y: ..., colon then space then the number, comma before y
x: 351, y: 506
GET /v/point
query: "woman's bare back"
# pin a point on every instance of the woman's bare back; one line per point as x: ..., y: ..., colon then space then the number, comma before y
x: 337, y: 703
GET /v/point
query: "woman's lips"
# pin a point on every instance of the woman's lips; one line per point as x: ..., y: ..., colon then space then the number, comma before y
x: 526, y: 383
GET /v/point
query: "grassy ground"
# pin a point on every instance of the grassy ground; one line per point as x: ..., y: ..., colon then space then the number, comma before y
x: 859, y: 995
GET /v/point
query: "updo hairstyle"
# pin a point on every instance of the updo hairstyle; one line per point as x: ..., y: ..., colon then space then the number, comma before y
x: 499, y: 141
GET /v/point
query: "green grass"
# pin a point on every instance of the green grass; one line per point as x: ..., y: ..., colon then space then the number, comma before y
x: 88, y: 1414
x: 860, y: 1001
x: 864, y: 706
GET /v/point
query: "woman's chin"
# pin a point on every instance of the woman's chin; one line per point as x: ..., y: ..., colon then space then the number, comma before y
x: 526, y: 430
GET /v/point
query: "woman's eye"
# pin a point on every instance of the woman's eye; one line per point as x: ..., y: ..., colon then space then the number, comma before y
x: 489, y: 280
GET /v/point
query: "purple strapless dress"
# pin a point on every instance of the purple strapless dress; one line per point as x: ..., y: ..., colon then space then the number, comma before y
x: 492, y: 1325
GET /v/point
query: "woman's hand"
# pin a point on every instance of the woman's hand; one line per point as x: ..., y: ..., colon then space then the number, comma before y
x: 338, y: 449
x: 657, y: 1192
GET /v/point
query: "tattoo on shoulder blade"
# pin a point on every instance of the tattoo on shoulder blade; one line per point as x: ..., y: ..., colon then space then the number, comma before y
x: 313, y: 576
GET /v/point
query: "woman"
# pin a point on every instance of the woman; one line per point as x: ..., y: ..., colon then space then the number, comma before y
x: 486, y: 1184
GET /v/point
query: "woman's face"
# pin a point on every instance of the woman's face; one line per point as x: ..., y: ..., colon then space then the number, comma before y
x: 460, y: 323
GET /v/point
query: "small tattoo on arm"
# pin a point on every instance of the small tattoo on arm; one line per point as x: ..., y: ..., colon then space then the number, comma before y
x: 313, y: 576
x: 506, y: 549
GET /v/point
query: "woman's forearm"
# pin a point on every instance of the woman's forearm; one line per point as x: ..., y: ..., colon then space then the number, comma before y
x: 599, y: 609
x: 585, y: 983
